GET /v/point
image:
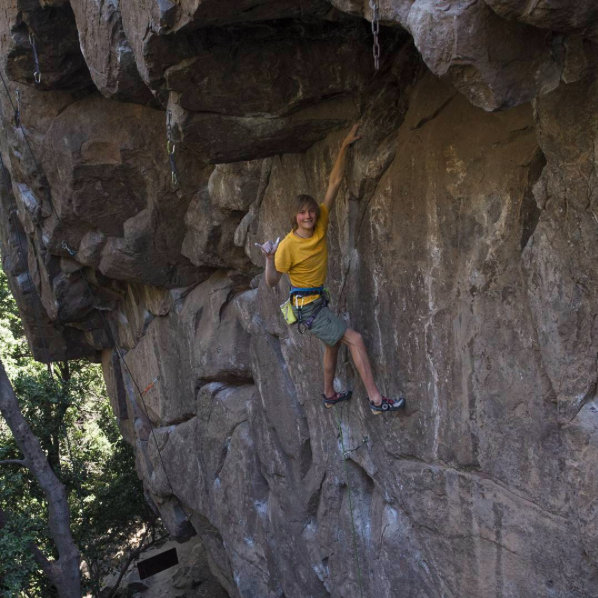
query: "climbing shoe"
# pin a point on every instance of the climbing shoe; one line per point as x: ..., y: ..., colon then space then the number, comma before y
x: 336, y: 398
x: 388, y: 405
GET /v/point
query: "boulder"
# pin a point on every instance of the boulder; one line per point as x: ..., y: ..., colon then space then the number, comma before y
x: 462, y: 247
x: 42, y: 37
x: 107, y: 52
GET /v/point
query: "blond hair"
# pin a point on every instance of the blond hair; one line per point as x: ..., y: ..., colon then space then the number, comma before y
x: 303, y: 201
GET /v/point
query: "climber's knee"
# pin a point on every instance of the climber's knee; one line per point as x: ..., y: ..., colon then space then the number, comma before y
x: 352, y: 338
x: 332, y: 349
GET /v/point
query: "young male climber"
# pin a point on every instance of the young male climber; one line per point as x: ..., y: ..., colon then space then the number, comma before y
x: 303, y: 255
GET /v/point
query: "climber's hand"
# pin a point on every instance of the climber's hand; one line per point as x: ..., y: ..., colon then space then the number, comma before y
x: 269, y: 247
x: 352, y: 135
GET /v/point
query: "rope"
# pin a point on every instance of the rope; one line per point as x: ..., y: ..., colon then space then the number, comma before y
x: 349, y: 495
x: 7, y: 90
x: 17, y: 112
x: 72, y: 252
x: 54, y: 382
x: 145, y: 411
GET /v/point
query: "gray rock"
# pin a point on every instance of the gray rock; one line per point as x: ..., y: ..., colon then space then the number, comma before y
x: 505, y: 65
x: 462, y: 246
x: 560, y: 15
x: 107, y: 52
x: 48, y: 30
x: 234, y: 187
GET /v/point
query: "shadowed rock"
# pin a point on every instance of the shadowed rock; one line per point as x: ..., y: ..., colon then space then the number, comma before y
x: 462, y: 246
x: 107, y: 52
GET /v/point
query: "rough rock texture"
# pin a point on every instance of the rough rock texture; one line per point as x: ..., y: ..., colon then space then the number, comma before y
x: 191, y: 578
x: 462, y: 246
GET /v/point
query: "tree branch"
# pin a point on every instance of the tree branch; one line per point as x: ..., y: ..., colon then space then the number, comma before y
x: 20, y: 462
x: 38, y: 555
x: 133, y: 554
x: 64, y: 572
x: 40, y: 558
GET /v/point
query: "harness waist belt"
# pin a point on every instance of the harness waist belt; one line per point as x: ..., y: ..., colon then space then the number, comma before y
x: 306, y: 291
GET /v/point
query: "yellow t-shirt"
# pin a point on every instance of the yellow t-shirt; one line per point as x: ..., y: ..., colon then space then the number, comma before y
x: 305, y: 260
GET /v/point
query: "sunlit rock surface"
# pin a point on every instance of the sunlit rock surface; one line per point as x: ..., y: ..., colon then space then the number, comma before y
x: 462, y: 245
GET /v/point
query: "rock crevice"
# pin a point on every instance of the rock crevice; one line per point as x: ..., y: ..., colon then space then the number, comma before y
x: 462, y: 246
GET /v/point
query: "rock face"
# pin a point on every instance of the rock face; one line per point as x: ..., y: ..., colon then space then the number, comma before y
x: 190, y: 578
x: 462, y: 246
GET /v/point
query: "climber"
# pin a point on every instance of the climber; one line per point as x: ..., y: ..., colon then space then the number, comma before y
x: 303, y: 255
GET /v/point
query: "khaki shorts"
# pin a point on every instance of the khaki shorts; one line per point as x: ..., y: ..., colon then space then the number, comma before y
x: 328, y: 327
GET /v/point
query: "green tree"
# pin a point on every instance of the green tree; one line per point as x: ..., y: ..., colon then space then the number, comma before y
x: 68, y: 410
x: 64, y: 569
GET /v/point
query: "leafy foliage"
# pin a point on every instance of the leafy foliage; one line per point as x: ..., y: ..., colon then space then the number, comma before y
x: 68, y: 410
x: 13, y: 345
x: 17, y: 565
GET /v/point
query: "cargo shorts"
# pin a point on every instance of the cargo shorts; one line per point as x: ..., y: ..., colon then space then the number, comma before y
x: 327, y: 326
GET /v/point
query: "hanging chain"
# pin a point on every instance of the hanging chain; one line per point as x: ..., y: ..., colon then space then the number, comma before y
x: 376, y: 32
x: 37, y: 74
x: 171, y: 148
x: 18, y: 109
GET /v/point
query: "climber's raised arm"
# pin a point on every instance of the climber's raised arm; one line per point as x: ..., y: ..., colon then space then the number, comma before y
x: 338, y: 170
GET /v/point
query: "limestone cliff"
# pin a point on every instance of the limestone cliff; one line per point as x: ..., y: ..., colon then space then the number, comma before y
x: 462, y: 245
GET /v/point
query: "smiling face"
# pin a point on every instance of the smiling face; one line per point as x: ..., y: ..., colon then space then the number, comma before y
x: 306, y: 216
x: 306, y: 221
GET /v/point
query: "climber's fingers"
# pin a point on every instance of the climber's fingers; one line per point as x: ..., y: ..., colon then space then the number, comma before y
x: 269, y: 247
x: 353, y: 135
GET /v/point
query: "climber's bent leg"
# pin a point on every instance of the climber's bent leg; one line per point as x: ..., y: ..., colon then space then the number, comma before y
x: 330, y: 358
x: 329, y: 328
x: 354, y: 341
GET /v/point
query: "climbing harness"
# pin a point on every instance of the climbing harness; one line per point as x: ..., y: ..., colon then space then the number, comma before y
x: 306, y: 291
x: 297, y: 293
x: 350, y: 497
x: 171, y: 148
x: 37, y: 75
x: 18, y: 109
x: 375, y: 32
x: 310, y: 321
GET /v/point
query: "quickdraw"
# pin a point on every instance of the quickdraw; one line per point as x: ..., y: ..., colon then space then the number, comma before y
x: 18, y: 109
x: 171, y: 148
x: 150, y: 385
x: 72, y: 252
x: 298, y: 293
x: 68, y: 249
x: 37, y: 74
